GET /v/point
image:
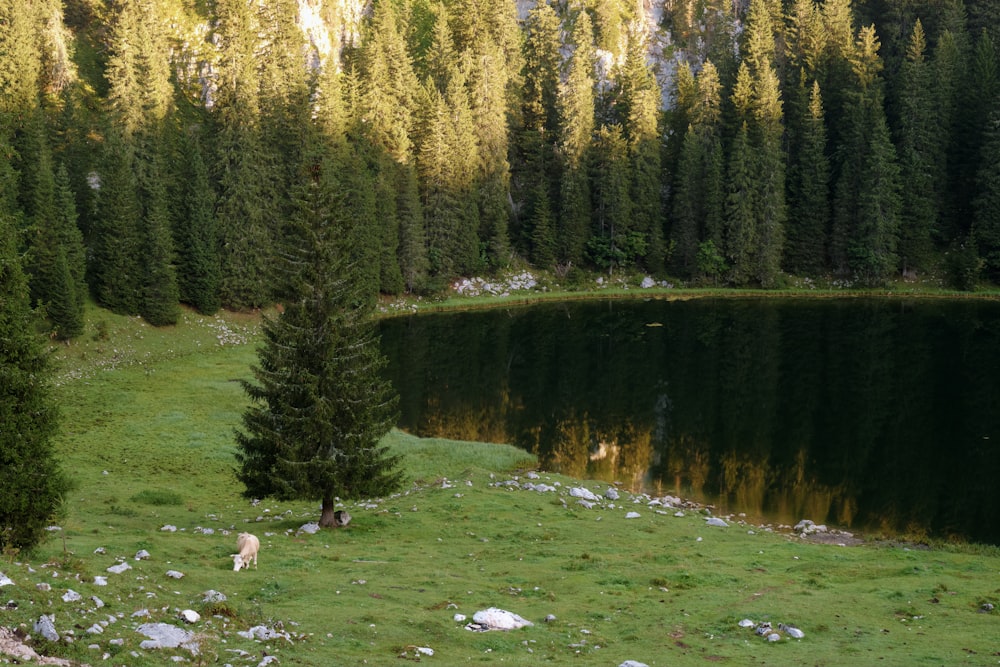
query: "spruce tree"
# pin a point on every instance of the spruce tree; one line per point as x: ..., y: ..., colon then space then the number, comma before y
x: 867, y: 200
x: 32, y: 484
x: 809, y: 192
x: 698, y: 198
x: 921, y: 155
x: 986, y: 206
x: 245, y: 212
x: 576, y: 115
x: 197, y: 233
x: 319, y: 406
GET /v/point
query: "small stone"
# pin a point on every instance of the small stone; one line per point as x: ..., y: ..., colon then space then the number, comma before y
x: 550, y: 618
x: 773, y: 637
x: 747, y: 623
x: 169, y: 529
x: 46, y: 627
x: 98, y: 602
x: 459, y: 618
x: 791, y: 631
x: 213, y: 596
x: 611, y: 493
x: 43, y: 586
x: 190, y: 616
x: 71, y: 596
x: 142, y: 554
x: 716, y: 521
x: 633, y: 663
x: 119, y: 568
x: 100, y: 580
x: 632, y: 515
x: 310, y: 528
x: 95, y: 629
x: 174, y: 574
x: 100, y: 551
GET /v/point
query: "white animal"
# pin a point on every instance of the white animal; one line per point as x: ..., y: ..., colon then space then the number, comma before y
x: 247, y: 545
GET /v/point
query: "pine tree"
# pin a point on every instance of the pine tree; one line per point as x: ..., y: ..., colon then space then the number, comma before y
x: 740, y: 232
x: 866, y: 202
x: 160, y: 294
x: 534, y: 162
x: 116, y: 246
x: 576, y: 116
x: 197, y: 233
x: 921, y: 156
x: 244, y: 212
x: 638, y: 103
x: 612, y: 246
x: 32, y: 484
x: 57, y: 257
x: 986, y: 206
x: 698, y: 199
x: 319, y: 404
x: 809, y: 193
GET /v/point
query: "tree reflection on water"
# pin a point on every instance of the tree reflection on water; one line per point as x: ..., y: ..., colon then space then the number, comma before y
x: 872, y: 414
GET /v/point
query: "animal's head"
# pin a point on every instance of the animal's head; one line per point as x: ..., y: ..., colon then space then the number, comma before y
x: 238, y: 562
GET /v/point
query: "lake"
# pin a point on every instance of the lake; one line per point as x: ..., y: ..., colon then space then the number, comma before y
x: 879, y: 415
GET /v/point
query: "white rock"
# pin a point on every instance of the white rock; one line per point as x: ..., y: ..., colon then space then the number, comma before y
x: 174, y: 574
x: 268, y: 659
x: 142, y: 554
x: 100, y: 551
x: 633, y: 663
x: 459, y: 618
x: 163, y: 635
x: 424, y: 650
x: 95, y: 629
x: 632, y: 515
x: 586, y: 494
x: 747, y: 623
x: 43, y: 586
x: 190, y: 616
x: 716, y: 521
x: 774, y: 637
x: 142, y: 613
x: 499, y: 619
x: 98, y: 602
x: 46, y: 627
x: 100, y: 580
x: 170, y: 529
x: 71, y: 596
x: 791, y: 631
x: 5, y: 580
x: 611, y: 493
x: 310, y: 528
x: 264, y: 633
x: 119, y: 568
x: 213, y: 596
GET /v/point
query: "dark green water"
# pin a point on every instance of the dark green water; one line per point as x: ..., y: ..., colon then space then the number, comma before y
x: 875, y: 414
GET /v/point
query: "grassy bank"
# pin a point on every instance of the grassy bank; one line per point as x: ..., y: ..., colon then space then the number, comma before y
x: 148, y: 422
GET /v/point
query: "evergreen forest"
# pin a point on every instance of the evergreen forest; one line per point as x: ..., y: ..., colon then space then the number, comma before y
x: 151, y: 148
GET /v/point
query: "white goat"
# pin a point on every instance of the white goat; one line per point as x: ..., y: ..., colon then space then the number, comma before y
x: 248, y: 545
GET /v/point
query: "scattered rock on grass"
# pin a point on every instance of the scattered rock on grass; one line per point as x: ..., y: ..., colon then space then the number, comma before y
x: 496, y: 619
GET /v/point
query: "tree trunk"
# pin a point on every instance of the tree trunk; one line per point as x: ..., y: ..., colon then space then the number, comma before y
x: 326, y: 517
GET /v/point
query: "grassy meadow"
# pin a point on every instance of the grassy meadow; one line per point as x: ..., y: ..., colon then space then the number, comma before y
x: 148, y: 421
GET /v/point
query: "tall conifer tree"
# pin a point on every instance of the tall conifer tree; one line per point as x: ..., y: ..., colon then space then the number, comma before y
x: 32, y: 484
x: 320, y: 406
x: 576, y: 116
x: 244, y: 209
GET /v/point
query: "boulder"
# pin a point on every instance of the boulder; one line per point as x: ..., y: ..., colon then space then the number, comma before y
x: 498, y: 619
x: 164, y: 635
x: 586, y: 494
x: 46, y: 627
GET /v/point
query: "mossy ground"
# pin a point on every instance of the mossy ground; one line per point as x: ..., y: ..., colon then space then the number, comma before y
x: 149, y: 416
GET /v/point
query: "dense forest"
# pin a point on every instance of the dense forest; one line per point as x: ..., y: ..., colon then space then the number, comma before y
x: 153, y: 148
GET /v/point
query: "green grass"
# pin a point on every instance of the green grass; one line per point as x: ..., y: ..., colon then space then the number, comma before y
x: 148, y: 429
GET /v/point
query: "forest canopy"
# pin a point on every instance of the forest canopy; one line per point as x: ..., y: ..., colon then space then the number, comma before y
x: 152, y: 145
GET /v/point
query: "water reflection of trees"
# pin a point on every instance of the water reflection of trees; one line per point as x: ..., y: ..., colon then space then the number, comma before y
x: 838, y: 411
